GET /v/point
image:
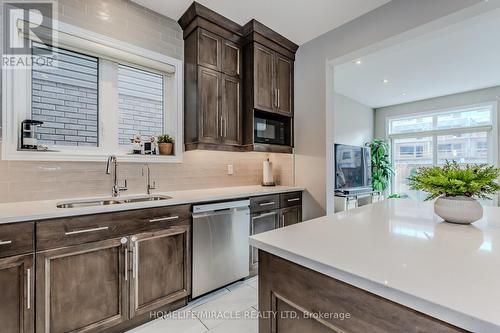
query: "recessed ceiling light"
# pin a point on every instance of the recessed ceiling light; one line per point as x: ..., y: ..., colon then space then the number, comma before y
x: 358, y: 62
x: 385, y: 81
x: 404, y: 94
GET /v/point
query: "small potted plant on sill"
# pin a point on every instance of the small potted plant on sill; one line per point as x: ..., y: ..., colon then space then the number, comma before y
x: 456, y: 188
x: 165, y: 144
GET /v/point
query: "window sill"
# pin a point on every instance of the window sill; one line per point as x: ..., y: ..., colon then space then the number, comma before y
x: 47, y: 156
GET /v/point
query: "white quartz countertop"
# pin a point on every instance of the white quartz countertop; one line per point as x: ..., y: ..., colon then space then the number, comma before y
x: 400, y: 250
x: 46, y: 209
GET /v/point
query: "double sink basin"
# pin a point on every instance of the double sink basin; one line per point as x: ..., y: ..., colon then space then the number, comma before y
x: 112, y: 201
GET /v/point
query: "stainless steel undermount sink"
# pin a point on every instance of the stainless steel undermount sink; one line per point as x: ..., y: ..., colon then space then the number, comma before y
x: 113, y: 201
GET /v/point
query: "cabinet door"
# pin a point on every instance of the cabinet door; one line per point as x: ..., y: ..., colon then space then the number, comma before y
x: 291, y: 216
x: 82, y: 288
x: 263, y: 76
x: 160, y: 269
x: 16, y: 296
x: 284, y: 84
x: 231, y: 109
x: 231, y: 58
x: 209, y: 85
x: 209, y: 49
x: 260, y: 223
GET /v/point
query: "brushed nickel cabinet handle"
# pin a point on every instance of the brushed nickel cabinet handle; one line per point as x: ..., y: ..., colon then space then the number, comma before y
x: 5, y: 242
x: 264, y: 215
x: 124, y: 241
x: 76, y: 232
x: 267, y: 203
x: 294, y: 199
x: 278, y: 99
x: 28, y: 288
x: 135, y: 257
x: 282, y: 220
x: 169, y: 218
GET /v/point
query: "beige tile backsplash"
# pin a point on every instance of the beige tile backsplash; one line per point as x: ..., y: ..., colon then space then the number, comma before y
x: 27, y: 181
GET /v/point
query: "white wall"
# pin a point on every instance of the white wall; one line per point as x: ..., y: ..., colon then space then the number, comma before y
x: 353, y: 121
x: 314, y: 112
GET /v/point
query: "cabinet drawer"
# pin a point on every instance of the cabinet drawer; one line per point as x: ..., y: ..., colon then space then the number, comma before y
x: 90, y: 228
x: 291, y: 199
x: 16, y: 238
x: 263, y: 203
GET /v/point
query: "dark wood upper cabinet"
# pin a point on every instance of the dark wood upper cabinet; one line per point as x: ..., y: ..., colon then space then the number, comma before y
x: 160, y: 269
x: 264, y: 92
x: 252, y: 59
x: 213, y: 66
x: 209, y: 86
x: 17, y: 294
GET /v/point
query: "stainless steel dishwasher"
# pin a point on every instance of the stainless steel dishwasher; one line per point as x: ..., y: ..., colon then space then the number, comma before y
x: 220, y: 244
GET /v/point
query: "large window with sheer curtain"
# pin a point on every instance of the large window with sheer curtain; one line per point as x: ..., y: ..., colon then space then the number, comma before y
x: 466, y: 134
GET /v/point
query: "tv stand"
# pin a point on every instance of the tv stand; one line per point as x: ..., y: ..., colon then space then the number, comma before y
x: 346, y: 201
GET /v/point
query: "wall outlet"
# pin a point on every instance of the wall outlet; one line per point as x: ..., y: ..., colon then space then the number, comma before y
x: 230, y: 169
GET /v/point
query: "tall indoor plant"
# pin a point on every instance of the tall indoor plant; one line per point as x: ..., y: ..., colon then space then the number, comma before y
x: 456, y: 188
x: 381, y: 164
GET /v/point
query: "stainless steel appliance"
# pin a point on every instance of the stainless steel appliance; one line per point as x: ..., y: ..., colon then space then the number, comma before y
x: 28, y: 133
x: 220, y: 244
x: 271, y: 131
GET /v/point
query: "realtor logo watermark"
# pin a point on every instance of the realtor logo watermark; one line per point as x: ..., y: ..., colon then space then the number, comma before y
x: 28, y: 33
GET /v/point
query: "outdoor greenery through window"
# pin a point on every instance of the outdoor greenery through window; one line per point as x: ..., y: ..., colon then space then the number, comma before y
x: 463, y: 135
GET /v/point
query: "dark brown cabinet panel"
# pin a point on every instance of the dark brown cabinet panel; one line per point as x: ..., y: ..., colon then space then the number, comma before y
x: 16, y: 294
x: 231, y: 58
x: 82, y: 288
x: 284, y: 83
x: 287, y: 286
x: 261, y: 222
x: 16, y: 239
x: 231, y: 111
x: 209, y: 49
x: 160, y: 269
x: 291, y: 215
x: 264, y: 78
x: 209, y: 106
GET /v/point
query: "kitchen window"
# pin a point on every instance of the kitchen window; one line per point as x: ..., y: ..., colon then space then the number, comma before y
x: 466, y: 135
x: 97, y: 96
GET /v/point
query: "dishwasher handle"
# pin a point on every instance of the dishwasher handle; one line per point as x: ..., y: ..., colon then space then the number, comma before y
x: 221, y: 207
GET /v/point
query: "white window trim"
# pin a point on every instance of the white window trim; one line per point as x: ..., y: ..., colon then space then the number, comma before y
x: 16, y: 102
x: 492, y: 130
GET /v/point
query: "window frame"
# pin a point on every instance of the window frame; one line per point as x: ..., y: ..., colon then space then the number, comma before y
x: 16, y: 104
x: 491, y: 131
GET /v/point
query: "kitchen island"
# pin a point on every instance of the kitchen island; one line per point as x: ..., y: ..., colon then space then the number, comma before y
x: 389, y: 267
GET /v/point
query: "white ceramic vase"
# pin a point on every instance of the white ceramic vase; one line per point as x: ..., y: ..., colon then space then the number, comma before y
x: 462, y: 210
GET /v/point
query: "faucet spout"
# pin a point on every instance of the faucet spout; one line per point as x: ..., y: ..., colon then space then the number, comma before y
x: 116, y: 189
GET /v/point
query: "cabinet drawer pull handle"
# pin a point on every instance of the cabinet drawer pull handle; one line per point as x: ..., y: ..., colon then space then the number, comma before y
x: 5, y: 242
x: 264, y: 215
x: 28, y: 288
x: 267, y: 203
x: 294, y: 199
x: 169, y: 218
x: 76, y: 232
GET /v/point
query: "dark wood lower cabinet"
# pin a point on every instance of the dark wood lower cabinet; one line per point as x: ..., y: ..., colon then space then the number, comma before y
x: 290, y: 216
x: 160, y: 269
x: 82, y: 288
x: 297, y: 296
x: 16, y: 294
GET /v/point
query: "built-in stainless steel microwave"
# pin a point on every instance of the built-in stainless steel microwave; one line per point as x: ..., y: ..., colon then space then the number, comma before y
x: 270, y: 131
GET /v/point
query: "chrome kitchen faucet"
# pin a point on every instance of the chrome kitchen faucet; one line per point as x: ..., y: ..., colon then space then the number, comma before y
x: 115, y: 192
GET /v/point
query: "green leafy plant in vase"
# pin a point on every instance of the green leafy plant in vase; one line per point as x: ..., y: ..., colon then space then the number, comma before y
x: 456, y: 188
x: 165, y: 144
x: 381, y: 164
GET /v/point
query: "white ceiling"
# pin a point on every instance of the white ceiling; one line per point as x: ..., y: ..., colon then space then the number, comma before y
x: 298, y: 20
x: 459, y: 58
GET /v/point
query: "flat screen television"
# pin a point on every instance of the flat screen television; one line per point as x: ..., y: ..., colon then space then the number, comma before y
x: 353, y: 170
